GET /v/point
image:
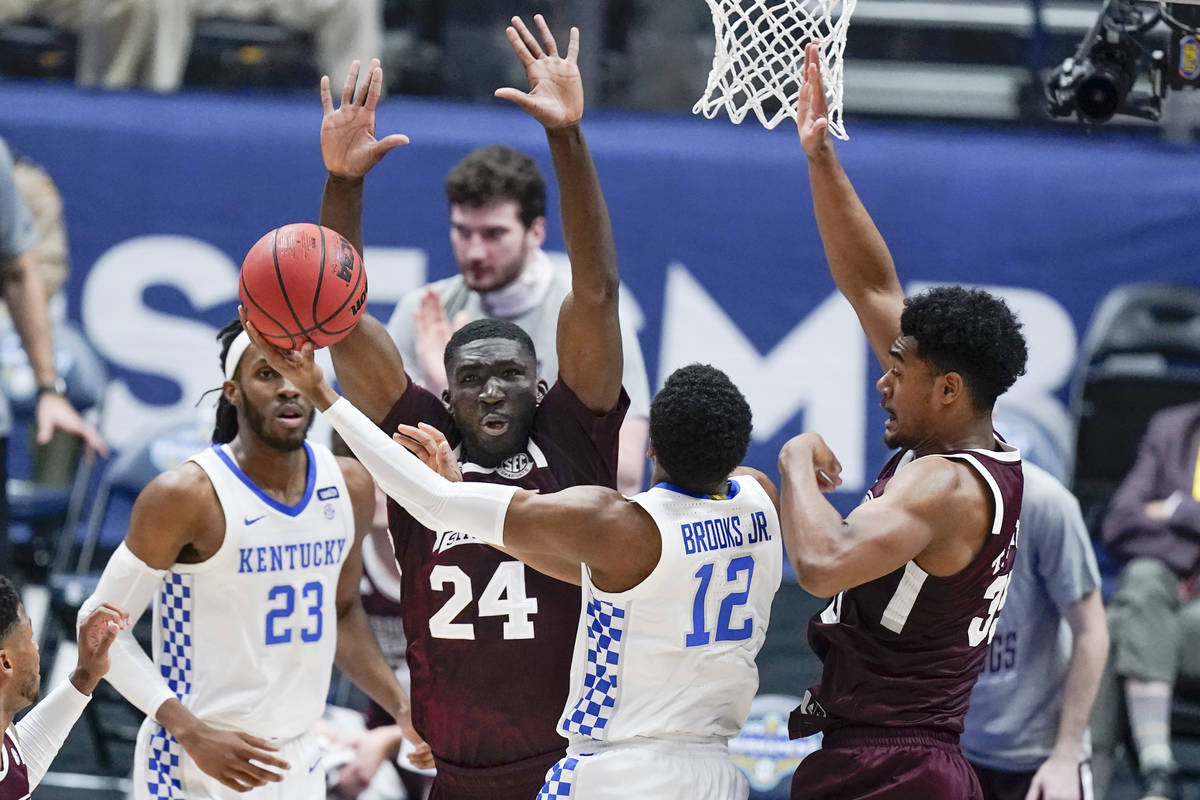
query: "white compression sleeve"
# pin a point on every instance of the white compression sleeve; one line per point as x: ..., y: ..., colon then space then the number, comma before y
x: 473, y: 508
x: 129, y: 584
x: 41, y: 733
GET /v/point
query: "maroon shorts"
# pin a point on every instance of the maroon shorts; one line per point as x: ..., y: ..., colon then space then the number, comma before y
x: 518, y: 781
x: 870, y: 763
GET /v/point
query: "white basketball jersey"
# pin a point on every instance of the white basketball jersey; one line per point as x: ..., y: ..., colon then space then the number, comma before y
x: 673, y: 657
x: 246, y: 639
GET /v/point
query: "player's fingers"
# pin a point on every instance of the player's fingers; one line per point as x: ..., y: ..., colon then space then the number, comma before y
x: 326, y: 95
x: 260, y: 744
x: 258, y: 772
x: 351, y: 82
x: 523, y: 99
x: 360, y: 96
x: 547, y: 36
x: 234, y: 783
x: 374, y: 88
x: 573, y: 45
x: 518, y: 46
x: 389, y: 143
x: 527, y: 37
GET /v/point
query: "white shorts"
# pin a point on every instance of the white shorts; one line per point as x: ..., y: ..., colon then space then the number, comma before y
x: 663, y: 770
x: 163, y: 771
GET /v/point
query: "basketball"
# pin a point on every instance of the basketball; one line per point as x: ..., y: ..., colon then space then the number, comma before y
x: 303, y: 282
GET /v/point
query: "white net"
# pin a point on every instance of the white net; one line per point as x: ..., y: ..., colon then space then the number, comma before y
x: 759, y: 58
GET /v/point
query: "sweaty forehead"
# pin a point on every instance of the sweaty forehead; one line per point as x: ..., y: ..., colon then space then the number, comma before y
x: 490, y: 351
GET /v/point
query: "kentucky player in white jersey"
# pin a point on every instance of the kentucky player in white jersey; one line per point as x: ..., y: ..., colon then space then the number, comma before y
x: 251, y: 554
x: 677, y: 582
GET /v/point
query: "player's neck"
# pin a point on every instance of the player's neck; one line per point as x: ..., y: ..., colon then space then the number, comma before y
x: 7, y: 712
x: 977, y: 434
x: 282, y: 474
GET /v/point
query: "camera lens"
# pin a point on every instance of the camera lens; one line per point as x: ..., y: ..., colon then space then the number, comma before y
x: 1098, y: 96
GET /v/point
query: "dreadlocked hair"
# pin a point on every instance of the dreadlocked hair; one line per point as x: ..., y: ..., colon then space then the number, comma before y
x: 227, y: 425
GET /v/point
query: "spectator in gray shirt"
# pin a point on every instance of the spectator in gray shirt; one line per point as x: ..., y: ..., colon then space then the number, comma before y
x: 1026, y: 730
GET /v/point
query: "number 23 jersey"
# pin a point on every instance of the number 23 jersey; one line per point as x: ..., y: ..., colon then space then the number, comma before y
x: 246, y: 639
x: 489, y: 639
x: 905, y: 649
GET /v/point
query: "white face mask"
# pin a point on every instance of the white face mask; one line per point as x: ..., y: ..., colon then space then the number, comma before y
x: 526, y: 292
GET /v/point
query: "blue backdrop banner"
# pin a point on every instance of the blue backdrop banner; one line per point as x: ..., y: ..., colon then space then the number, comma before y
x: 714, y: 225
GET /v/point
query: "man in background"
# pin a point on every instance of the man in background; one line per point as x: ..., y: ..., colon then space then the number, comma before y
x: 1153, y: 528
x: 25, y: 295
x: 497, y: 199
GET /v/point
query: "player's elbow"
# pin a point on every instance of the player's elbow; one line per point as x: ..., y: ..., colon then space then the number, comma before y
x: 816, y: 576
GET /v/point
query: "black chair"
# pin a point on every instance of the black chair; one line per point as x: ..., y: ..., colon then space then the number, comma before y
x: 1141, y: 354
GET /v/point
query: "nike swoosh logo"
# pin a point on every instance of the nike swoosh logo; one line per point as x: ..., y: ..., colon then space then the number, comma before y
x: 249, y: 521
x: 316, y: 763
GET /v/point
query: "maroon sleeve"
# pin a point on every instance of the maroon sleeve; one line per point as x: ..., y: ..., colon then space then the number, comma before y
x: 579, y: 443
x: 418, y: 404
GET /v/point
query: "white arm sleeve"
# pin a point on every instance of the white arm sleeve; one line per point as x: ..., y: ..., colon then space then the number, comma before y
x: 41, y: 733
x: 473, y: 508
x: 129, y: 584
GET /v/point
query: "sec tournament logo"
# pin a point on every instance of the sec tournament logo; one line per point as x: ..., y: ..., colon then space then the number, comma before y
x: 514, y: 467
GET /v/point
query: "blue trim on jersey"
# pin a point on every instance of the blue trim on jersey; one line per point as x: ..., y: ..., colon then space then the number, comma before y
x: 734, y: 488
x: 310, y: 481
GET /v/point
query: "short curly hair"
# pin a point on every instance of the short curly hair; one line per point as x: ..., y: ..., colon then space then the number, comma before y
x: 487, y: 328
x: 699, y: 426
x: 10, y: 605
x: 495, y: 173
x: 971, y: 332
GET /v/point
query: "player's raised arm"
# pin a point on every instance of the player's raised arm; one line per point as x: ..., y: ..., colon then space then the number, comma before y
x: 858, y: 257
x: 369, y: 367
x: 589, y: 332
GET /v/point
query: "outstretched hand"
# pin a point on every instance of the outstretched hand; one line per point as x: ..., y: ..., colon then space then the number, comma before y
x: 431, y: 446
x: 555, y: 96
x: 348, y: 142
x: 812, y: 113
x: 298, y: 366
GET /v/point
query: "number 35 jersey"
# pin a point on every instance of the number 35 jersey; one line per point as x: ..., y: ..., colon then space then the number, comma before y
x: 246, y: 639
x: 674, y: 657
x: 489, y: 639
x: 905, y: 649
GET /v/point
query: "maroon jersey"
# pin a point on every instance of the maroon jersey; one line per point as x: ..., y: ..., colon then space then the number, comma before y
x: 490, y: 640
x: 905, y: 649
x: 14, y: 778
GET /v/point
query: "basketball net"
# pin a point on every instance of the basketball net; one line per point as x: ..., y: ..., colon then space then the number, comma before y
x: 758, y: 63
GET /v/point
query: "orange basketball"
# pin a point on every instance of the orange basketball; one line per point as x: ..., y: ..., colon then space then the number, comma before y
x: 303, y: 281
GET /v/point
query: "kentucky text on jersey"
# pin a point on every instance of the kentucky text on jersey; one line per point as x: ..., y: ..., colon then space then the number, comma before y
x: 723, y: 533
x: 279, y: 557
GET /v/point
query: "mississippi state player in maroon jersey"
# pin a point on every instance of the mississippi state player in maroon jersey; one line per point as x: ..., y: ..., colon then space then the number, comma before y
x: 489, y: 640
x: 27, y: 749
x: 919, y: 571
